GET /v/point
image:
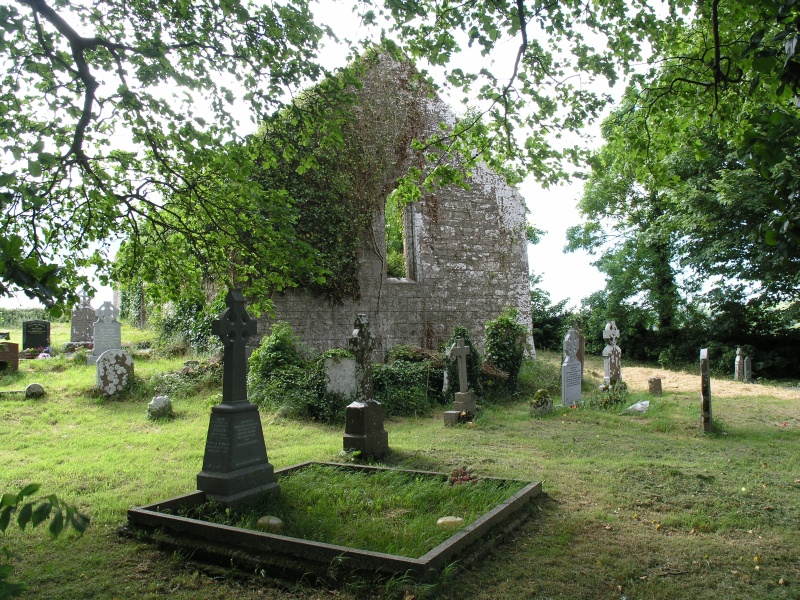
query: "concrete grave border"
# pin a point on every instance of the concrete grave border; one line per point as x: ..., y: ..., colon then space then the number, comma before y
x: 257, y: 551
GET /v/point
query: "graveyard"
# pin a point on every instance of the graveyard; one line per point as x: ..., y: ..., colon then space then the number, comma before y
x: 638, y: 506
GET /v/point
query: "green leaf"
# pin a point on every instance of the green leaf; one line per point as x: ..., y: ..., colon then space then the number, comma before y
x: 771, y: 237
x: 41, y: 513
x: 5, y: 518
x: 28, y: 490
x: 9, y: 500
x: 34, y: 168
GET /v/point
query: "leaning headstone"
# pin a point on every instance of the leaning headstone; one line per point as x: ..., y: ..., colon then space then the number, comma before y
x: 364, y: 432
x: 464, y: 405
x: 82, y: 323
x: 747, y: 376
x: 612, y: 354
x: 9, y: 357
x: 159, y: 407
x: 738, y: 366
x: 107, y: 332
x: 654, y: 384
x: 114, y: 371
x: 705, y: 391
x: 35, y: 334
x: 571, y: 370
x: 235, y: 466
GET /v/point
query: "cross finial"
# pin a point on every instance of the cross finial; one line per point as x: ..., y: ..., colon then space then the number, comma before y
x: 361, y: 345
x: 107, y: 312
x: 460, y: 351
x: 234, y: 327
x: 611, y: 333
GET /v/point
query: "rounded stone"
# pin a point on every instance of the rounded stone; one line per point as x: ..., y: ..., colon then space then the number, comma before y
x: 34, y: 390
x: 269, y: 523
x: 450, y: 522
x: 114, y: 371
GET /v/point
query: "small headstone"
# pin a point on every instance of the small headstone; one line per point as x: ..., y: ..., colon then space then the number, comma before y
x: 450, y: 522
x: 235, y: 466
x: 655, y: 386
x: 612, y: 354
x: 571, y: 370
x: 705, y: 391
x: 107, y: 332
x: 738, y: 366
x: 114, y: 371
x: 464, y: 401
x: 9, y: 357
x: 748, y: 370
x: 35, y: 334
x: 340, y: 376
x: 82, y: 323
x: 159, y: 407
x: 541, y: 404
x: 34, y: 390
x: 269, y: 523
x: 364, y: 432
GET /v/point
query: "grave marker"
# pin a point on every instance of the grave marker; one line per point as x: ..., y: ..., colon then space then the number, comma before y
x: 114, y: 371
x: 612, y: 354
x: 705, y: 391
x: 747, y: 376
x: 82, y: 322
x: 35, y: 334
x: 738, y: 366
x: 364, y: 430
x: 9, y: 357
x: 464, y: 405
x: 107, y: 332
x: 235, y: 465
x: 654, y: 384
x: 571, y: 370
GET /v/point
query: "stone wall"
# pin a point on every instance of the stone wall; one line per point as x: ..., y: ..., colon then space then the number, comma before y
x: 466, y: 251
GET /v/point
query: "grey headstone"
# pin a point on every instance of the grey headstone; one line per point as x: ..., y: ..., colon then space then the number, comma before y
x: 364, y: 430
x: 107, y: 332
x: 747, y: 376
x: 612, y: 354
x: 340, y: 376
x: 235, y: 466
x: 35, y: 334
x: 705, y: 391
x: 114, y: 371
x: 571, y: 370
x: 82, y: 324
x: 464, y: 401
x: 738, y: 366
x: 655, y: 386
x: 159, y: 407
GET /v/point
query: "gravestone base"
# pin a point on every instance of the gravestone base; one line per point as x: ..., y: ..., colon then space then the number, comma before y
x: 454, y: 417
x: 235, y: 466
x: 465, y: 402
x: 363, y: 431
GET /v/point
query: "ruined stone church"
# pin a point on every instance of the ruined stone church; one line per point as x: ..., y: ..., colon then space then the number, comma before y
x: 464, y: 251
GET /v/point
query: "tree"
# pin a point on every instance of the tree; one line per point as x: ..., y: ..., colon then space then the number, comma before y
x: 102, y: 136
x: 550, y: 321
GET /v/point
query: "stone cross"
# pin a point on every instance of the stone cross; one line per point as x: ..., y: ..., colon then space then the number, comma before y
x: 361, y: 345
x: 460, y: 351
x: 611, y: 333
x: 612, y: 354
x: 234, y: 327
x: 738, y: 366
x: 107, y: 312
x: 85, y: 300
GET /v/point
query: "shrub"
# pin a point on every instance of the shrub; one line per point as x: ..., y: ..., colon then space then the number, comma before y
x: 608, y: 397
x: 403, y: 387
x: 506, y: 340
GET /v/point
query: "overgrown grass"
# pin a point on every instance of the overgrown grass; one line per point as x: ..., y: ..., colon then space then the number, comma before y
x: 642, y: 506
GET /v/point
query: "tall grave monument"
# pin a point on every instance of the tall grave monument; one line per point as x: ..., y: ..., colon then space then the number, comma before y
x: 464, y: 405
x: 82, y: 322
x: 235, y: 466
x: 364, y: 430
x: 612, y: 354
x: 738, y: 366
x: 705, y: 391
x: 571, y: 370
x: 107, y: 332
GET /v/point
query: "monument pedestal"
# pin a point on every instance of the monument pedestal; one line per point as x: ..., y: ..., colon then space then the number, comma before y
x: 364, y: 430
x: 235, y: 466
x: 465, y: 402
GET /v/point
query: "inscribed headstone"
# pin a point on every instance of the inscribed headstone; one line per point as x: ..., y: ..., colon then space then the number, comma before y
x: 83, y: 318
x: 364, y: 432
x: 571, y: 370
x: 114, y: 371
x: 738, y: 366
x: 654, y: 383
x: 107, y: 332
x: 705, y: 391
x: 35, y: 334
x: 748, y: 370
x: 235, y: 466
x: 612, y: 354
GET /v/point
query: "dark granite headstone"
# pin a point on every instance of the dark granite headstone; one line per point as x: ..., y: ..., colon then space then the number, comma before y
x: 235, y: 465
x: 705, y: 391
x: 35, y: 334
x: 364, y: 432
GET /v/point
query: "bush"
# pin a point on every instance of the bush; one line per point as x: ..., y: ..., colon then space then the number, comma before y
x: 608, y: 397
x: 187, y: 326
x: 506, y: 340
x: 404, y: 388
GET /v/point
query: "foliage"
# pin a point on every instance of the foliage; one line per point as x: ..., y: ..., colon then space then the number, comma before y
x: 506, y: 343
x: 60, y: 515
x: 186, y: 325
x: 407, y: 388
x: 14, y: 317
x: 610, y: 396
x: 550, y: 321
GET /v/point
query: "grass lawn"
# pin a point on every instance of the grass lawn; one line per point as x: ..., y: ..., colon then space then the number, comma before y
x: 633, y: 506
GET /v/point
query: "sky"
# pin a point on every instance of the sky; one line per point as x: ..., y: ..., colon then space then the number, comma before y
x: 564, y: 276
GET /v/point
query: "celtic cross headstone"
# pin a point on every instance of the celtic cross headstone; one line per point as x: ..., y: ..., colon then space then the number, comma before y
x: 235, y: 466
x: 364, y: 432
x: 705, y: 391
x: 738, y: 366
x: 612, y: 355
x: 107, y: 332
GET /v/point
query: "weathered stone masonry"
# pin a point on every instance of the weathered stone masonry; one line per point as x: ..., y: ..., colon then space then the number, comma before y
x: 466, y: 254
